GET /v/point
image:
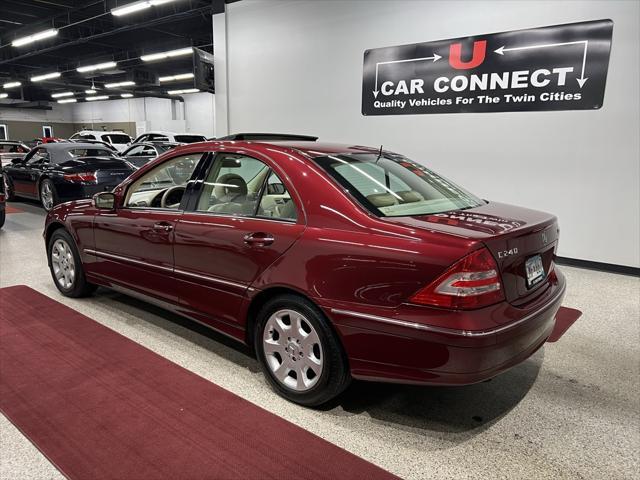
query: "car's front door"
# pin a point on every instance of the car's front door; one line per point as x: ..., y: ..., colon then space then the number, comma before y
x: 134, y: 244
x: 24, y: 176
x: 241, y: 222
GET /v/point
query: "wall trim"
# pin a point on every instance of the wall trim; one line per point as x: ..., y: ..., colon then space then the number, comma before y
x: 600, y: 266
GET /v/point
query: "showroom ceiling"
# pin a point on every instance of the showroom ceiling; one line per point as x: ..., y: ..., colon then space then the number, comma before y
x: 85, y: 33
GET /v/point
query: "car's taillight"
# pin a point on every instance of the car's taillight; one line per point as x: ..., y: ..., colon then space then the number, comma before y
x: 2, y: 198
x: 80, y: 177
x: 472, y: 282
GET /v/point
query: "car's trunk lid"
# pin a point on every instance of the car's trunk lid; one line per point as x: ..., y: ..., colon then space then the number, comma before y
x: 513, y: 235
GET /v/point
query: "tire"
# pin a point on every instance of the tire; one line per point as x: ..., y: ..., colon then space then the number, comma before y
x: 48, y: 194
x: 66, y: 266
x: 2, y: 216
x: 290, y: 363
x: 8, y: 191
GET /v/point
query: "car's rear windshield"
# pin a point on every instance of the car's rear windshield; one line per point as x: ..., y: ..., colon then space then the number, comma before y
x: 189, y: 138
x: 393, y: 186
x: 91, y: 152
x: 116, y: 138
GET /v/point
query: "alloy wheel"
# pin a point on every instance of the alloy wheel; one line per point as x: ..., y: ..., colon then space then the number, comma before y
x: 293, y: 350
x: 64, y: 267
x: 46, y: 195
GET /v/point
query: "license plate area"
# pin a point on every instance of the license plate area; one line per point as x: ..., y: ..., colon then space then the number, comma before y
x: 535, y: 270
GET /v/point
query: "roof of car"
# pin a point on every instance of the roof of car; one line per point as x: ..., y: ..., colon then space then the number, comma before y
x: 61, y: 146
x: 163, y: 132
x: 103, y: 132
x: 312, y: 149
x: 155, y: 144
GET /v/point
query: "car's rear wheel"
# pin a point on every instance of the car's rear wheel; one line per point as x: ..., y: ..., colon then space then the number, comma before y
x: 66, y: 266
x: 48, y: 194
x: 299, y: 353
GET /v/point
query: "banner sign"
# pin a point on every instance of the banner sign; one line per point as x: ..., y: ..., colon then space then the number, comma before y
x: 562, y: 67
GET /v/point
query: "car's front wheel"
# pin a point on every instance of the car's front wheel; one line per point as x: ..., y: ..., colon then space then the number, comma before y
x: 299, y: 353
x: 48, y: 194
x: 66, y: 266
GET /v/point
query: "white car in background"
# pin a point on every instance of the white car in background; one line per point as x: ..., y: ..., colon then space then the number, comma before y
x: 171, y: 137
x: 117, y: 138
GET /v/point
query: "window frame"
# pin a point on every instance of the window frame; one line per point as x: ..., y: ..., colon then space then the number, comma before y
x: 188, y: 193
x: 198, y: 190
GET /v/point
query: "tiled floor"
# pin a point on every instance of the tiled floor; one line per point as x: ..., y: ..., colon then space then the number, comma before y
x: 571, y: 411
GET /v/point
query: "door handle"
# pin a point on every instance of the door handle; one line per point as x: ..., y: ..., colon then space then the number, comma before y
x: 259, y: 239
x: 163, y: 226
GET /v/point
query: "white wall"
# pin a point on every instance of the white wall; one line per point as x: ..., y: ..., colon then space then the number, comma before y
x: 196, y: 115
x: 58, y: 113
x: 296, y: 66
x: 199, y: 113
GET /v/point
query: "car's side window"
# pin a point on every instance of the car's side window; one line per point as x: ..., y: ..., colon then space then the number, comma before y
x: 148, y: 152
x: 163, y: 186
x: 233, y: 185
x: 276, y: 201
x: 135, y: 151
x: 158, y: 138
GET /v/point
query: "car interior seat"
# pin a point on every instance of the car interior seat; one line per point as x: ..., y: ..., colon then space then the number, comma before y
x: 230, y: 193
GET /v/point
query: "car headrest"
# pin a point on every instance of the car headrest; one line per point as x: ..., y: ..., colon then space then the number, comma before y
x: 410, y: 196
x: 382, y: 199
x: 230, y: 186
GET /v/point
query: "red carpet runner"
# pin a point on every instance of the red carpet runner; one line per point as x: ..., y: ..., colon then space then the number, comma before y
x: 564, y: 319
x: 100, y: 406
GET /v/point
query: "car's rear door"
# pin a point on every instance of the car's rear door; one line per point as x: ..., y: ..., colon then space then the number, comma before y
x: 224, y: 241
x: 134, y: 244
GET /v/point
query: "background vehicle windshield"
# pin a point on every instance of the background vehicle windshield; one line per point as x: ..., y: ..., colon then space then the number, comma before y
x: 91, y: 152
x: 116, y: 138
x: 189, y: 138
x: 394, y: 186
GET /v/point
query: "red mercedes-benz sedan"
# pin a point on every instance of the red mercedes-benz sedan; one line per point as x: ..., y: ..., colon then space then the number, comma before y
x: 333, y: 262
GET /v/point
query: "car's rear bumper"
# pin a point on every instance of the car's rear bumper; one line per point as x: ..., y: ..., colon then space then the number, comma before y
x: 397, y: 349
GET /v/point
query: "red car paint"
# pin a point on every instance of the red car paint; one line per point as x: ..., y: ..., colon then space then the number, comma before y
x: 360, y: 269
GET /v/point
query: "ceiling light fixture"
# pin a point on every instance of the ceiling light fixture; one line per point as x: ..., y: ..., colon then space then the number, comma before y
x: 4, y: 95
x: 137, y: 6
x: 131, y: 8
x: 68, y: 100
x: 18, y: 42
x: 99, y: 97
x: 90, y: 92
x: 12, y: 84
x: 126, y: 95
x: 173, y: 78
x: 180, y: 92
x: 46, y: 76
x: 119, y: 84
x: 168, y: 54
x: 63, y: 94
x: 97, y: 66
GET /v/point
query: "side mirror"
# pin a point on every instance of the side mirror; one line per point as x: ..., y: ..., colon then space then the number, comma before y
x: 104, y: 201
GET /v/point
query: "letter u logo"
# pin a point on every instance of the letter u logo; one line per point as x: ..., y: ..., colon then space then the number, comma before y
x: 455, y: 52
